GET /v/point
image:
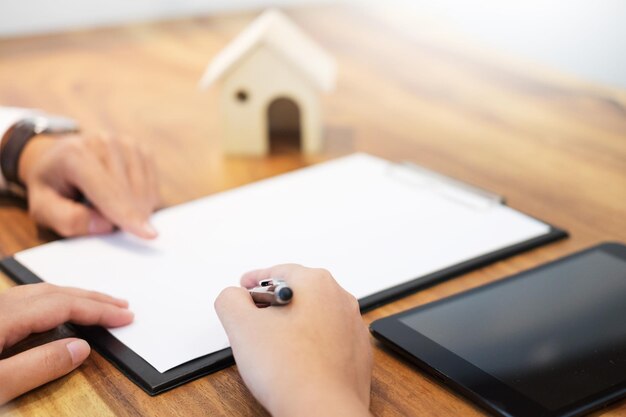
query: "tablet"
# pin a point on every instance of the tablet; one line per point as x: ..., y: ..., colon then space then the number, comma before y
x: 550, y: 341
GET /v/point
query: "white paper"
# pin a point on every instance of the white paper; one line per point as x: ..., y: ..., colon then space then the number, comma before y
x: 371, y: 229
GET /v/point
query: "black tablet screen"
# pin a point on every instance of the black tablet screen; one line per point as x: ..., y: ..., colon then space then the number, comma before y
x: 556, y: 335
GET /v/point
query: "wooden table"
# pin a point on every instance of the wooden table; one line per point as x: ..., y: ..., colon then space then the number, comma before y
x: 553, y: 145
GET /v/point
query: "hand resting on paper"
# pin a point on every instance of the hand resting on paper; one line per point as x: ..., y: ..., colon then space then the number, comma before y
x: 309, y: 358
x: 39, y: 307
x: 115, y: 175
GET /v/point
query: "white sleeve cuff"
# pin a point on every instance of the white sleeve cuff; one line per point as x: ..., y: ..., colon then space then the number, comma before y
x: 8, y: 117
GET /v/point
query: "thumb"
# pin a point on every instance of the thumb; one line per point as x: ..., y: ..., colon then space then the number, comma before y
x: 32, y: 368
x: 234, y: 307
x: 65, y: 216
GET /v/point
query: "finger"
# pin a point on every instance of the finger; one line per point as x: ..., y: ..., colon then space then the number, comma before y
x: 130, y: 167
x: 110, y: 195
x: 140, y: 179
x: 284, y: 272
x: 135, y: 172
x: 23, y: 292
x: 37, y: 366
x: 96, y: 145
x: 61, y: 307
x: 47, y: 311
x: 65, y: 216
x: 234, y: 307
x: 110, y: 153
x: 140, y: 171
x: 251, y: 279
x: 93, y: 295
x: 150, y: 172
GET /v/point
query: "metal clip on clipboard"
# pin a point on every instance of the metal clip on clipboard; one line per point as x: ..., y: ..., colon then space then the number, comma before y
x: 448, y: 187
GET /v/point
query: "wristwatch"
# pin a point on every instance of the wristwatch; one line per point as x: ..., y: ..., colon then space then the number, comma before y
x: 15, y: 139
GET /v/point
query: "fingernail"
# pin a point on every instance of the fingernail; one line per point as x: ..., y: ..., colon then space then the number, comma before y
x: 79, y: 350
x: 99, y: 225
x: 125, y: 317
x: 149, y: 230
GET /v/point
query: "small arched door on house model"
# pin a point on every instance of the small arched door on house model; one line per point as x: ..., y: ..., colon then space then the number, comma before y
x: 284, y: 127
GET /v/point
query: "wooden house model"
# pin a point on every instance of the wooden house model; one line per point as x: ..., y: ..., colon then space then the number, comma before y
x: 271, y: 77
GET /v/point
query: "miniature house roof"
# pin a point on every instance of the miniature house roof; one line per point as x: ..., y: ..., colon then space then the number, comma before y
x: 274, y: 30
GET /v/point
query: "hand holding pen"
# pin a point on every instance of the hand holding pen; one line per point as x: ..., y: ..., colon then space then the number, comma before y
x: 310, y: 357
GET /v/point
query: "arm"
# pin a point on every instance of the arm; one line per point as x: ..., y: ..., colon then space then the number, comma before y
x: 309, y: 358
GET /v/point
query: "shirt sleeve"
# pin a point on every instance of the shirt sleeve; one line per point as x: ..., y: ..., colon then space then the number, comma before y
x: 8, y: 117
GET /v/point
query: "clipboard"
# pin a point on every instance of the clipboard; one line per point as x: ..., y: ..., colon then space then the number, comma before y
x: 153, y: 382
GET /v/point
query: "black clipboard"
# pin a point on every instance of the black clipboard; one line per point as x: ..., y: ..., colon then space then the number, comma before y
x: 154, y: 382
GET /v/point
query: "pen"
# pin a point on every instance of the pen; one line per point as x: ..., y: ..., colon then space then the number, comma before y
x: 271, y: 292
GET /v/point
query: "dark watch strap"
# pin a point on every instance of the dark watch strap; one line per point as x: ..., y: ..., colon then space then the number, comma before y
x: 19, y: 136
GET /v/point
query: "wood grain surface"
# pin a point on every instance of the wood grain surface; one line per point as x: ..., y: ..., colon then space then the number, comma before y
x: 553, y: 145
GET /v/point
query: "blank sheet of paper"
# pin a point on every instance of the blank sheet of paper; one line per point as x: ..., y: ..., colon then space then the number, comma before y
x: 353, y: 216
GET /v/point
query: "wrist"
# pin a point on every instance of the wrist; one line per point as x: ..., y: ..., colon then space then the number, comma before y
x: 32, y: 152
x: 318, y: 399
x: 19, y: 136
